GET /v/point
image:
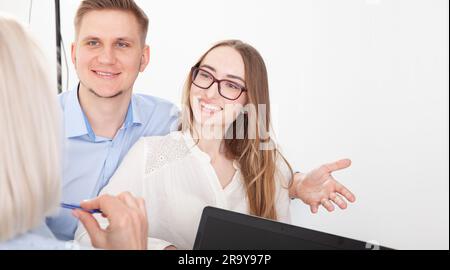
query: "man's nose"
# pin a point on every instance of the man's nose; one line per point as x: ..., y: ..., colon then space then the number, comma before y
x: 107, y: 56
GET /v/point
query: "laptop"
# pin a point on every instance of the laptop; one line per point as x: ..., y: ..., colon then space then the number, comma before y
x: 221, y: 229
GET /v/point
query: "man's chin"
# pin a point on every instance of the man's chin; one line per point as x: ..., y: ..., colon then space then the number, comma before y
x: 106, y: 94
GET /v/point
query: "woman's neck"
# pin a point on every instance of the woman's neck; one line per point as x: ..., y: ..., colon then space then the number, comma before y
x: 212, y: 147
x: 210, y: 141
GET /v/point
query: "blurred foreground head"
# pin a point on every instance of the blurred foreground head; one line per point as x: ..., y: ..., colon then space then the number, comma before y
x: 29, y: 134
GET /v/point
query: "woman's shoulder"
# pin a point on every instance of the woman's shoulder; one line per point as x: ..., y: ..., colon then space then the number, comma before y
x: 148, y: 140
x: 39, y: 238
x: 33, y: 241
x: 158, y: 144
x: 162, y: 150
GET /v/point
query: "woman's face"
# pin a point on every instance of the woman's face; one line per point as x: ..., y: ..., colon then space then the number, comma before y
x: 209, y: 107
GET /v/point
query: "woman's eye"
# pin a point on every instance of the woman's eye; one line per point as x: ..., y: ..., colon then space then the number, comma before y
x: 204, y: 75
x: 233, y: 86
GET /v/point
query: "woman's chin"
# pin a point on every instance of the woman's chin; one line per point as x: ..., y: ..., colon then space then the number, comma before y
x: 207, y: 122
x: 206, y: 118
x: 210, y: 120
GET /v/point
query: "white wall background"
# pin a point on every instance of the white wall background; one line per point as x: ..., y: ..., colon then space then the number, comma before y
x: 40, y: 17
x: 361, y: 79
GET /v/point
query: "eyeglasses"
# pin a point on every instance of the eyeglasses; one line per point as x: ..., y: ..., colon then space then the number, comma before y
x: 227, y: 89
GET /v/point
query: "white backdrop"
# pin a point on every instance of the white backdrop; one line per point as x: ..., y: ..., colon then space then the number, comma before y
x: 366, y: 80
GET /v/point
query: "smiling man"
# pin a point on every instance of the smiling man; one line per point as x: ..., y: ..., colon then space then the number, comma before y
x: 102, y: 116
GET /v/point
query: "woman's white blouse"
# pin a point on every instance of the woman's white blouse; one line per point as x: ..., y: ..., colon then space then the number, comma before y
x: 177, y: 181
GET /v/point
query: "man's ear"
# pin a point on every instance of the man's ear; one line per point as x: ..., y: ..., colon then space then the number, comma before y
x: 73, y: 52
x: 145, y: 58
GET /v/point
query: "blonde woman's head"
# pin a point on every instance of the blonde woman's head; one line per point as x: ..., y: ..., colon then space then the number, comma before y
x: 29, y: 135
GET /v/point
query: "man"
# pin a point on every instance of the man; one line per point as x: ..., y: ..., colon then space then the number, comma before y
x: 103, y: 118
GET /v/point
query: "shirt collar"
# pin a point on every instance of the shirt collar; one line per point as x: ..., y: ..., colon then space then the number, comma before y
x: 75, y: 121
x: 133, y: 113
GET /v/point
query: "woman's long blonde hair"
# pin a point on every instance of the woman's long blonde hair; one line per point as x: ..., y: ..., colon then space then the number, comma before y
x: 29, y: 135
x: 258, y: 162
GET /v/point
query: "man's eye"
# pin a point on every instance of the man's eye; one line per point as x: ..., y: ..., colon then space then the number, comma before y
x: 122, y: 45
x: 92, y: 43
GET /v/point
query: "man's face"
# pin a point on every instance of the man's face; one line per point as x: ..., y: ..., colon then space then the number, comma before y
x: 108, y: 53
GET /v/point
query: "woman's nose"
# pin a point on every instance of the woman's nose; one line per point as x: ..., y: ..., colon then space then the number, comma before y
x: 212, y: 91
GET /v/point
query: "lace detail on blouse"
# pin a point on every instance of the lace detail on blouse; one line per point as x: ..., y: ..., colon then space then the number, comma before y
x: 161, y: 151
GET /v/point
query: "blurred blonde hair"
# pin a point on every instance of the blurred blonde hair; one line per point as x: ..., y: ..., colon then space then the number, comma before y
x: 29, y: 136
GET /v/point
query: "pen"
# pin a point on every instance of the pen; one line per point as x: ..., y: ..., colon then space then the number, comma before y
x: 76, y: 206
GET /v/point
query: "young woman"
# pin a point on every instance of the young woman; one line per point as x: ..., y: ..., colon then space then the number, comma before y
x: 223, y: 154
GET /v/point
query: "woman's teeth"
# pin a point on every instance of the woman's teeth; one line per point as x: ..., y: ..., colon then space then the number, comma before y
x: 210, y: 108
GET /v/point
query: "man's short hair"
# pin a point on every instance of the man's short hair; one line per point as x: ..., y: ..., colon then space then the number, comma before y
x: 124, y: 5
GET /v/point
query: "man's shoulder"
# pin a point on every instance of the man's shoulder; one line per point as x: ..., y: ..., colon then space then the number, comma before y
x: 62, y: 98
x: 158, y: 115
x: 153, y: 101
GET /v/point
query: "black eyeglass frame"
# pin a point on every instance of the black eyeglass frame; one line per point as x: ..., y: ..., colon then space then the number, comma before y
x: 194, y: 72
